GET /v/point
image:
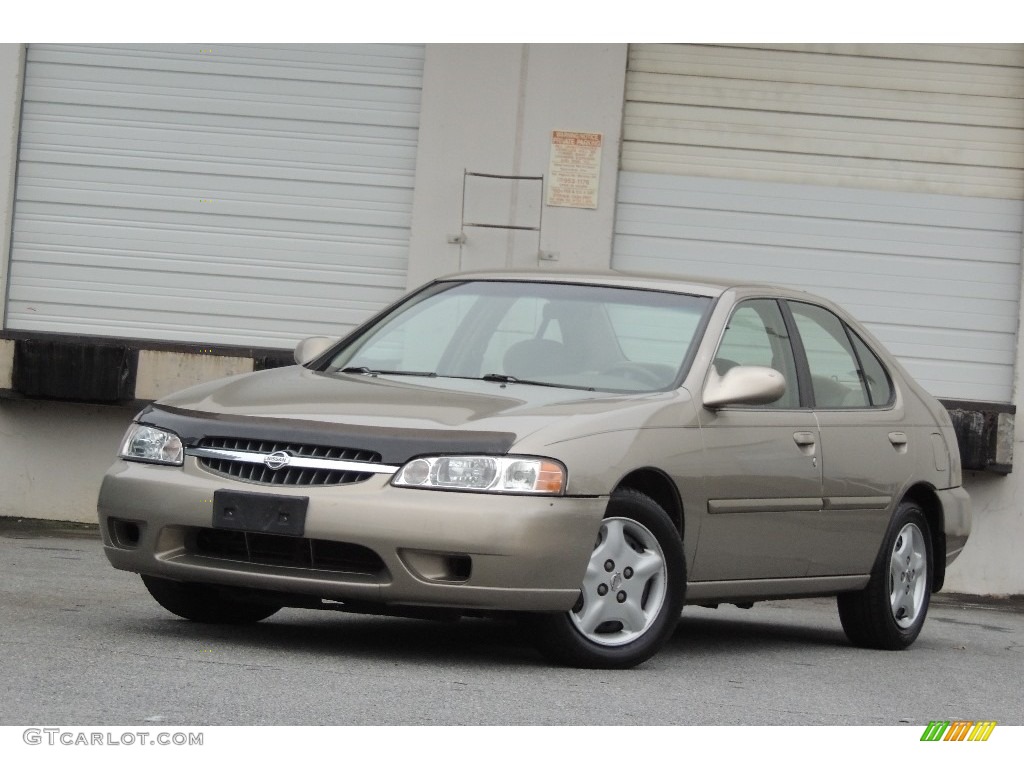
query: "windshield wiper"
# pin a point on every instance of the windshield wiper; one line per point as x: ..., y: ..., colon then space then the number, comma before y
x: 504, y: 378
x: 499, y: 377
x: 380, y: 372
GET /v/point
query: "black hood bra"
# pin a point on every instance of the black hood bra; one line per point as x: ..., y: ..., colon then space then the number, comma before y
x: 395, y: 446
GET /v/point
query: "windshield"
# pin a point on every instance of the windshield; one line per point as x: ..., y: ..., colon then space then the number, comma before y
x: 553, y: 334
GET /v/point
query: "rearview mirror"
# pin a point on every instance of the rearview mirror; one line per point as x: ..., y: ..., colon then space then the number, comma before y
x: 311, y: 348
x: 744, y: 385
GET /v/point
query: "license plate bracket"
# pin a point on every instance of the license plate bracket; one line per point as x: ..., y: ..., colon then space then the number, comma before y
x: 260, y: 512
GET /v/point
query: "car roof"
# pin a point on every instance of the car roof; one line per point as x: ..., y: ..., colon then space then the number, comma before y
x: 655, y: 282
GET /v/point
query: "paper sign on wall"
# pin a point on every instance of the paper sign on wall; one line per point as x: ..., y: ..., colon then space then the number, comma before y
x: 575, y: 169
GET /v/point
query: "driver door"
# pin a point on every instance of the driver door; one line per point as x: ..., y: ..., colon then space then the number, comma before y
x: 761, y: 466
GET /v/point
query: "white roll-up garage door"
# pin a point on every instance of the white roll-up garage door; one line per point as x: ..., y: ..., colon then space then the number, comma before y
x: 887, y: 177
x: 242, y: 194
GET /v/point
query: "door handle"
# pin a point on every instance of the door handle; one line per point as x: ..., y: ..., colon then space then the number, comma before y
x: 806, y: 442
x: 899, y: 441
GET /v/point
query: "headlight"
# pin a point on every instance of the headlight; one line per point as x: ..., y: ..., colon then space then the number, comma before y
x: 158, y: 446
x: 491, y: 474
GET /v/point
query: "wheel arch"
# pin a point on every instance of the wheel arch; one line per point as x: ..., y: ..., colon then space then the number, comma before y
x: 659, y: 487
x: 925, y: 497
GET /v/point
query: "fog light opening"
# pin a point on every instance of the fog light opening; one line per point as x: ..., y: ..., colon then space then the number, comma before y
x: 460, y: 566
x: 438, y: 566
x: 125, y: 533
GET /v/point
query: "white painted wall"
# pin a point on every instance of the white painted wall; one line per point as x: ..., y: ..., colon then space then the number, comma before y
x: 491, y: 109
x: 12, y: 62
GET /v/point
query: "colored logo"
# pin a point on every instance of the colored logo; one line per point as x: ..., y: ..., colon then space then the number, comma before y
x: 958, y: 730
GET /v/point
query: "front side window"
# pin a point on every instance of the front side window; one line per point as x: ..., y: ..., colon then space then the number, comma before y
x: 579, y: 336
x: 756, y: 335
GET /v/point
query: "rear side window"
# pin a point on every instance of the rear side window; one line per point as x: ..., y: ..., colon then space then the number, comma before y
x: 835, y: 371
x: 875, y: 376
x: 845, y: 373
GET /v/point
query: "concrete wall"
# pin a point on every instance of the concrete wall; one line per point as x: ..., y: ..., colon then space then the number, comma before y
x: 991, y: 563
x: 53, y: 456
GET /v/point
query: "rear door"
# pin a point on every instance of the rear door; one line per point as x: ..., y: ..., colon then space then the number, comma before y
x: 864, y: 443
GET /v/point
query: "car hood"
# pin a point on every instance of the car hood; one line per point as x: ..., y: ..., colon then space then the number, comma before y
x: 396, y: 416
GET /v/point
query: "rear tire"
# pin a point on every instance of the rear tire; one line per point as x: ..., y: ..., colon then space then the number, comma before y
x: 889, y: 613
x: 632, y: 593
x: 205, y: 603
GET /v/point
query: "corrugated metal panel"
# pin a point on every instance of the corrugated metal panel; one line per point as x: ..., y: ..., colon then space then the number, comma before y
x: 887, y: 177
x: 236, y: 194
x: 940, y: 119
x: 935, y: 277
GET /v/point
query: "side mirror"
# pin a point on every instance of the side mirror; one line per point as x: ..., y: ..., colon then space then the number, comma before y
x: 744, y: 385
x: 312, y: 348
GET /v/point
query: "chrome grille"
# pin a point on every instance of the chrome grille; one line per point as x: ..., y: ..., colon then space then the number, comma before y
x: 248, y: 462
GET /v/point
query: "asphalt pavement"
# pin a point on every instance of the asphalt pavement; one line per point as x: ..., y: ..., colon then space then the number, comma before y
x: 83, y: 643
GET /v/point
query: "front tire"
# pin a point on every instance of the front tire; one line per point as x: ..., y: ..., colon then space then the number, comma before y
x: 205, y: 603
x: 632, y: 592
x: 889, y: 613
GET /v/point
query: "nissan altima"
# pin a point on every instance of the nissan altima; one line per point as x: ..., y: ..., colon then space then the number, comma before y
x: 588, y: 453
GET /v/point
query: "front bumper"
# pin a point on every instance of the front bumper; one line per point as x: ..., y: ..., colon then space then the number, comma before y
x: 525, y: 553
